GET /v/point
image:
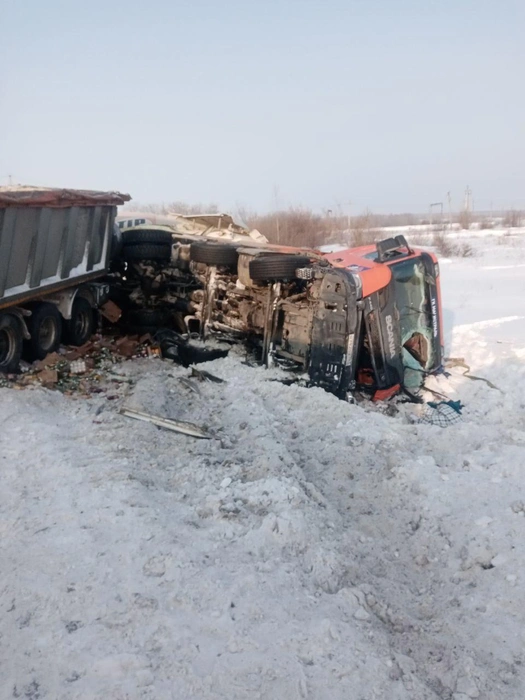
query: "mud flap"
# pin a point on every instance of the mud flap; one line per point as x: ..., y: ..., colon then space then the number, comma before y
x: 334, y: 325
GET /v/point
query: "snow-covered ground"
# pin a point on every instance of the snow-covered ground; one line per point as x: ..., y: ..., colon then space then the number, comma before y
x: 312, y: 549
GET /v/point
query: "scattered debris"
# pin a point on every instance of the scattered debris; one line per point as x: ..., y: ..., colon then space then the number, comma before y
x: 190, y: 385
x: 84, y: 370
x: 111, y: 311
x: 186, y: 349
x: 204, y: 376
x: 48, y: 377
x: 77, y: 367
x: 460, y: 362
x: 442, y: 413
x: 177, y: 426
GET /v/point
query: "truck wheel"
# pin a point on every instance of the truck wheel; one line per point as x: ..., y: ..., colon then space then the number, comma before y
x: 213, y: 253
x: 79, y: 328
x: 133, y: 237
x: 10, y: 343
x: 45, y: 327
x: 147, y: 251
x: 142, y: 321
x: 147, y: 317
x: 276, y: 267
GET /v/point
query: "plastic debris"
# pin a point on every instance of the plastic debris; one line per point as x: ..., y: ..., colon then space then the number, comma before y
x: 442, y: 413
x: 77, y: 367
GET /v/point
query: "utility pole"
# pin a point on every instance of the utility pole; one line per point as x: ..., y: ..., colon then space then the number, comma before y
x: 468, y: 199
x: 467, y: 208
x: 328, y: 216
x: 436, y: 204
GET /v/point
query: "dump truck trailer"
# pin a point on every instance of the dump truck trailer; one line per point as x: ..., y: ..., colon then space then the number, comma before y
x: 55, y: 247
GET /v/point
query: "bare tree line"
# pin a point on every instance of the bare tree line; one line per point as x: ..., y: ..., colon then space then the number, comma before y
x: 175, y: 207
x: 301, y: 226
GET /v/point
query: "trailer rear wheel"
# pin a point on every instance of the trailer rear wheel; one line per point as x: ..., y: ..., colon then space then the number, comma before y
x: 79, y: 329
x: 45, y: 327
x: 10, y: 343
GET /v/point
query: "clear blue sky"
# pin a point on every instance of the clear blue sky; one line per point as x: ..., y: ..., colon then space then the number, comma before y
x: 386, y: 104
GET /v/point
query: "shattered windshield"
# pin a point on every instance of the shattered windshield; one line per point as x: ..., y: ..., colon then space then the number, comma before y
x: 413, y: 303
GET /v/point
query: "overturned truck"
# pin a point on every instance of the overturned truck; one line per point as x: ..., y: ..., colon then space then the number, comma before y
x: 366, y: 319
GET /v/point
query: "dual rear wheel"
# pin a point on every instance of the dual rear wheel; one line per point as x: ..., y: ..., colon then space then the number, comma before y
x: 47, y: 330
x: 10, y: 342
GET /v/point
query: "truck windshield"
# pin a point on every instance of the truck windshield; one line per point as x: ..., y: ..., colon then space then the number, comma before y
x: 413, y: 303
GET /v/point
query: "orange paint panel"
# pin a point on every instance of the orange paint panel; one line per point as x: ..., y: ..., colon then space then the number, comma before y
x: 374, y: 276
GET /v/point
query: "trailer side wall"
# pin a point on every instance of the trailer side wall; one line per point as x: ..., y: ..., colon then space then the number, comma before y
x: 45, y: 248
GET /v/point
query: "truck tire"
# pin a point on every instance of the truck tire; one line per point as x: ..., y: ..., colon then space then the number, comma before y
x: 213, y: 253
x: 135, y: 236
x: 80, y: 327
x: 147, y: 317
x: 147, y: 251
x: 276, y: 267
x: 10, y: 343
x: 45, y: 328
x: 142, y: 321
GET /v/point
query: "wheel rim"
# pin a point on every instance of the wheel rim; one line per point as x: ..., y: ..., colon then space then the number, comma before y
x: 47, y: 333
x: 7, y: 346
x: 81, y: 324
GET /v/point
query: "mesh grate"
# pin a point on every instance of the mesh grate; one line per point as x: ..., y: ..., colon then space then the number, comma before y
x: 442, y: 414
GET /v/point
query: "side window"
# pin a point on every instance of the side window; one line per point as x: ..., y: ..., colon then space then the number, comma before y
x: 138, y: 222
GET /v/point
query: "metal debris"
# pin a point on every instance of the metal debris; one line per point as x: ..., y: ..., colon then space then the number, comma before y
x: 203, y: 376
x: 190, y: 385
x: 176, y: 425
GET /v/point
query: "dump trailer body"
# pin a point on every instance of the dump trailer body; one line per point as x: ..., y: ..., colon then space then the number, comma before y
x: 51, y: 239
x: 54, y: 244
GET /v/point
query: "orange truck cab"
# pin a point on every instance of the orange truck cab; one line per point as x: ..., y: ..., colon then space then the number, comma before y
x: 399, y: 330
